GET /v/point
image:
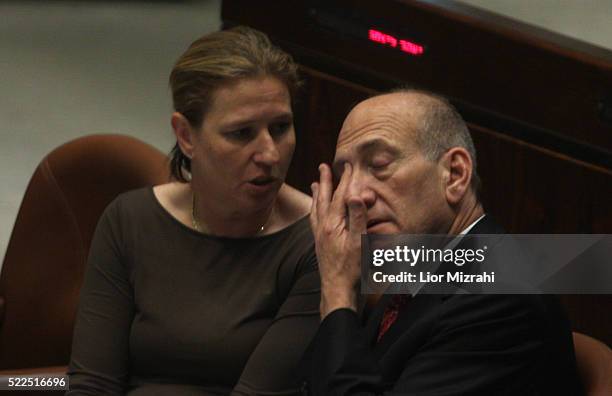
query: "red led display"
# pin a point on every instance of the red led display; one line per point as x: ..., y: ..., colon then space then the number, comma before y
x: 406, y: 46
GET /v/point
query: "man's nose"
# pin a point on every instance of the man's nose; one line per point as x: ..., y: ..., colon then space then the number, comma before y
x: 360, y: 186
x: 267, y: 150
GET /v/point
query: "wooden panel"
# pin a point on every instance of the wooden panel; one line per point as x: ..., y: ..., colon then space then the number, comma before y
x: 483, y: 61
x: 534, y: 190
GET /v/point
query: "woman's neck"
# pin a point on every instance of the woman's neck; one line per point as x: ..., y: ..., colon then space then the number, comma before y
x: 211, y: 215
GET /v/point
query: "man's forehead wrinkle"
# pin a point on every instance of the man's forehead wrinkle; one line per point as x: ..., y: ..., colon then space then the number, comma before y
x: 391, y: 117
x: 388, y: 124
x: 391, y: 131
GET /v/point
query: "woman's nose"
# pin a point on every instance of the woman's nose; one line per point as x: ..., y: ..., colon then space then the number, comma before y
x: 267, y: 150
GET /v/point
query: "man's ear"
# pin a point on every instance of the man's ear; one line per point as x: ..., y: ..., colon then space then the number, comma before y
x: 183, y: 132
x: 457, y: 174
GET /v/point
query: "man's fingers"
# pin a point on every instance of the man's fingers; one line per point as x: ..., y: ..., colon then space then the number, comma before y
x: 338, y: 205
x: 314, y: 187
x: 357, y: 213
x: 325, y: 187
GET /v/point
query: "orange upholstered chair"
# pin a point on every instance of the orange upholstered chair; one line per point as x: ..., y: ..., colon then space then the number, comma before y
x: 594, y: 360
x: 45, y: 259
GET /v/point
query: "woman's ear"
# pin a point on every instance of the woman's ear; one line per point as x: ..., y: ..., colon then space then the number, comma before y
x: 183, y: 132
x: 457, y: 174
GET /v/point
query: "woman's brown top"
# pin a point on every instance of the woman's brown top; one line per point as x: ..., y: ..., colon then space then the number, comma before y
x: 167, y: 310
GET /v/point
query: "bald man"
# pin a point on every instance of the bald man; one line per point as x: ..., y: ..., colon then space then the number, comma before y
x: 406, y: 164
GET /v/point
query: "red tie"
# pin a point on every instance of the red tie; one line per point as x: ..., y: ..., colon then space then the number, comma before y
x: 398, y: 301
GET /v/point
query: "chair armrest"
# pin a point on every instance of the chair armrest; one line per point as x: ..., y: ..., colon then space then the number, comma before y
x: 36, y: 371
x: 594, y: 361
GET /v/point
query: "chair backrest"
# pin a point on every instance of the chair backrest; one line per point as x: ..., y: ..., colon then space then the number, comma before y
x: 45, y: 258
x: 594, y: 360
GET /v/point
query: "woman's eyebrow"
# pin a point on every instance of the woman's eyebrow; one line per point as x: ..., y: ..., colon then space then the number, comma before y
x: 288, y: 116
x: 239, y: 123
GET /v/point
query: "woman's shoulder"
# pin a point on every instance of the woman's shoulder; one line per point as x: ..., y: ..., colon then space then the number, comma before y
x: 139, y: 202
x: 173, y: 196
x: 129, y: 200
x: 296, y: 234
x: 293, y: 205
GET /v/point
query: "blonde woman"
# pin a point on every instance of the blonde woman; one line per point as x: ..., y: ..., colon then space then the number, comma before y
x: 208, y: 284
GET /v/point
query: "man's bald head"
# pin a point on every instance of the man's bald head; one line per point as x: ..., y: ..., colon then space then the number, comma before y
x: 412, y: 164
x: 428, y: 120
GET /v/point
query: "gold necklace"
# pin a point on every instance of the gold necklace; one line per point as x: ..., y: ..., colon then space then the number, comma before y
x: 196, y: 224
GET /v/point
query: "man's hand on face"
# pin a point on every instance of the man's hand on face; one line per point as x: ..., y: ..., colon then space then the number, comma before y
x: 337, y: 221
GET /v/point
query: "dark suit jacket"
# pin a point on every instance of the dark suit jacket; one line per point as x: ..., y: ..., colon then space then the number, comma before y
x: 448, y: 345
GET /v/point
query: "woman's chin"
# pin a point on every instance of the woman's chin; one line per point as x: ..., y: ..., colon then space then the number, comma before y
x: 260, y: 196
x: 262, y: 190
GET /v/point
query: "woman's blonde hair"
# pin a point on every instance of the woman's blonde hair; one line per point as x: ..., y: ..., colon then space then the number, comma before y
x: 214, y: 60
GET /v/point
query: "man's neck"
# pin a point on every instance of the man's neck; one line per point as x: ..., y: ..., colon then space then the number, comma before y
x: 469, y: 212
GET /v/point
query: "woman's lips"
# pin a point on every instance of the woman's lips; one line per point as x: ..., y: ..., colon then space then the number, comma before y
x: 262, y: 180
x: 260, y: 185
